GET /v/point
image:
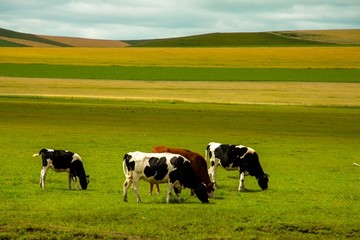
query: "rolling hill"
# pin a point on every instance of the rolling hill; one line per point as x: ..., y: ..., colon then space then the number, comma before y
x: 345, y: 37
x: 16, y: 39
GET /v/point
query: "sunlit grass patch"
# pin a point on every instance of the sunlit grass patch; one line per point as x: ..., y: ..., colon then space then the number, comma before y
x: 260, y: 57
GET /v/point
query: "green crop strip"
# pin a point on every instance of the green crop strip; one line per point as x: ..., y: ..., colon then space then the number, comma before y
x: 178, y: 73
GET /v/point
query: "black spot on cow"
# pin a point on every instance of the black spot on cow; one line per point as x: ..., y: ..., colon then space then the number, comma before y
x: 227, y: 155
x: 157, y: 168
x: 130, y: 165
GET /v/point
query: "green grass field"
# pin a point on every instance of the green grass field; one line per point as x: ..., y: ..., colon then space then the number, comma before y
x: 302, y: 117
x: 179, y: 73
x: 308, y: 152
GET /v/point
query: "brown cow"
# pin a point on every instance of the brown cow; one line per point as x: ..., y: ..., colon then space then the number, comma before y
x: 198, y: 164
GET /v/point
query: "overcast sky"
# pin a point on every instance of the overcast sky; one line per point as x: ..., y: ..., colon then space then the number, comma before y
x: 141, y: 19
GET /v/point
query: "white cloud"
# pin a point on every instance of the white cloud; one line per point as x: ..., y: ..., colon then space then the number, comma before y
x: 129, y: 19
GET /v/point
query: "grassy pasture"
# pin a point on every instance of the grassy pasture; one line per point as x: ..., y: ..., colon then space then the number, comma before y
x: 261, y: 57
x: 4, y: 43
x: 154, y: 73
x: 308, y: 151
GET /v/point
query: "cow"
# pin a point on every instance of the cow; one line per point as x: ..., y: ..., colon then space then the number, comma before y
x: 63, y: 161
x: 169, y: 168
x: 198, y: 164
x: 236, y: 157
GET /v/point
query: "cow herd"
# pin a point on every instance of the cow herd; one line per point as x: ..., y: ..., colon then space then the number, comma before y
x: 178, y: 168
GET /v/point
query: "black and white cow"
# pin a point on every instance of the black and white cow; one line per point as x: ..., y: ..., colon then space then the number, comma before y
x: 63, y: 161
x: 169, y: 168
x: 236, y: 157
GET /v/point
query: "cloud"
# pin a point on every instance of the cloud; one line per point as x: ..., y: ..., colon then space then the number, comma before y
x: 128, y: 19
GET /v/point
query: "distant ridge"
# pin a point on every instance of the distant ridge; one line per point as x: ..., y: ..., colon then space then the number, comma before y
x: 86, y: 42
x: 225, y: 40
x: 10, y: 38
x: 257, y: 39
x: 24, y: 39
x: 341, y: 37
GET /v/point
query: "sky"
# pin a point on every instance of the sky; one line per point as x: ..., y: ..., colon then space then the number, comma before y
x: 146, y: 19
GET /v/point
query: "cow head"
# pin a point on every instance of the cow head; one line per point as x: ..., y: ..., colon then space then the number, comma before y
x: 84, y: 181
x: 77, y: 169
x: 201, y: 193
x: 210, y: 188
x: 263, y: 181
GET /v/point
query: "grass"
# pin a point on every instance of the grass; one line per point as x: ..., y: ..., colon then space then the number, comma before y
x: 5, y: 43
x: 179, y: 73
x: 308, y: 152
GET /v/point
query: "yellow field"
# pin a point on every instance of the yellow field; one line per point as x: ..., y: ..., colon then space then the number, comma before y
x: 273, y: 93
x: 262, y: 57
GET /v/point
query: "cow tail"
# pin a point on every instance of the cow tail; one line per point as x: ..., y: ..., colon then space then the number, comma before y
x: 206, y: 153
x: 126, y: 172
x: 39, y: 153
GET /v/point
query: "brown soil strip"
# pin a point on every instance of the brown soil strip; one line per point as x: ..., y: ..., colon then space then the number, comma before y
x: 84, y: 42
x: 27, y: 42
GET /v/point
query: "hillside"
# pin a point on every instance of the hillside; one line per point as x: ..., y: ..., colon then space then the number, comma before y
x: 340, y: 36
x: 10, y: 38
x: 258, y: 39
x: 346, y: 37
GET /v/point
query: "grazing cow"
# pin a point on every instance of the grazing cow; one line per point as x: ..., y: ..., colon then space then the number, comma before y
x: 198, y: 164
x: 63, y: 161
x: 236, y: 157
x: 155, y: 168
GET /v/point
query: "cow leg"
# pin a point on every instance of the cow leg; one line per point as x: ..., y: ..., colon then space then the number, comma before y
x: 151, y: 188
x: 168, y: 192
x: 72, y: 178
x: 126, y: 186
x: 241, y: 183
x: 151, y: 185
x: 212, y: 170
x: 43, y: 176
x: 69, y: 177
x: 75, y: 182
x: 157, y: 189
x: 177, y: 187
x: 135, y: 188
